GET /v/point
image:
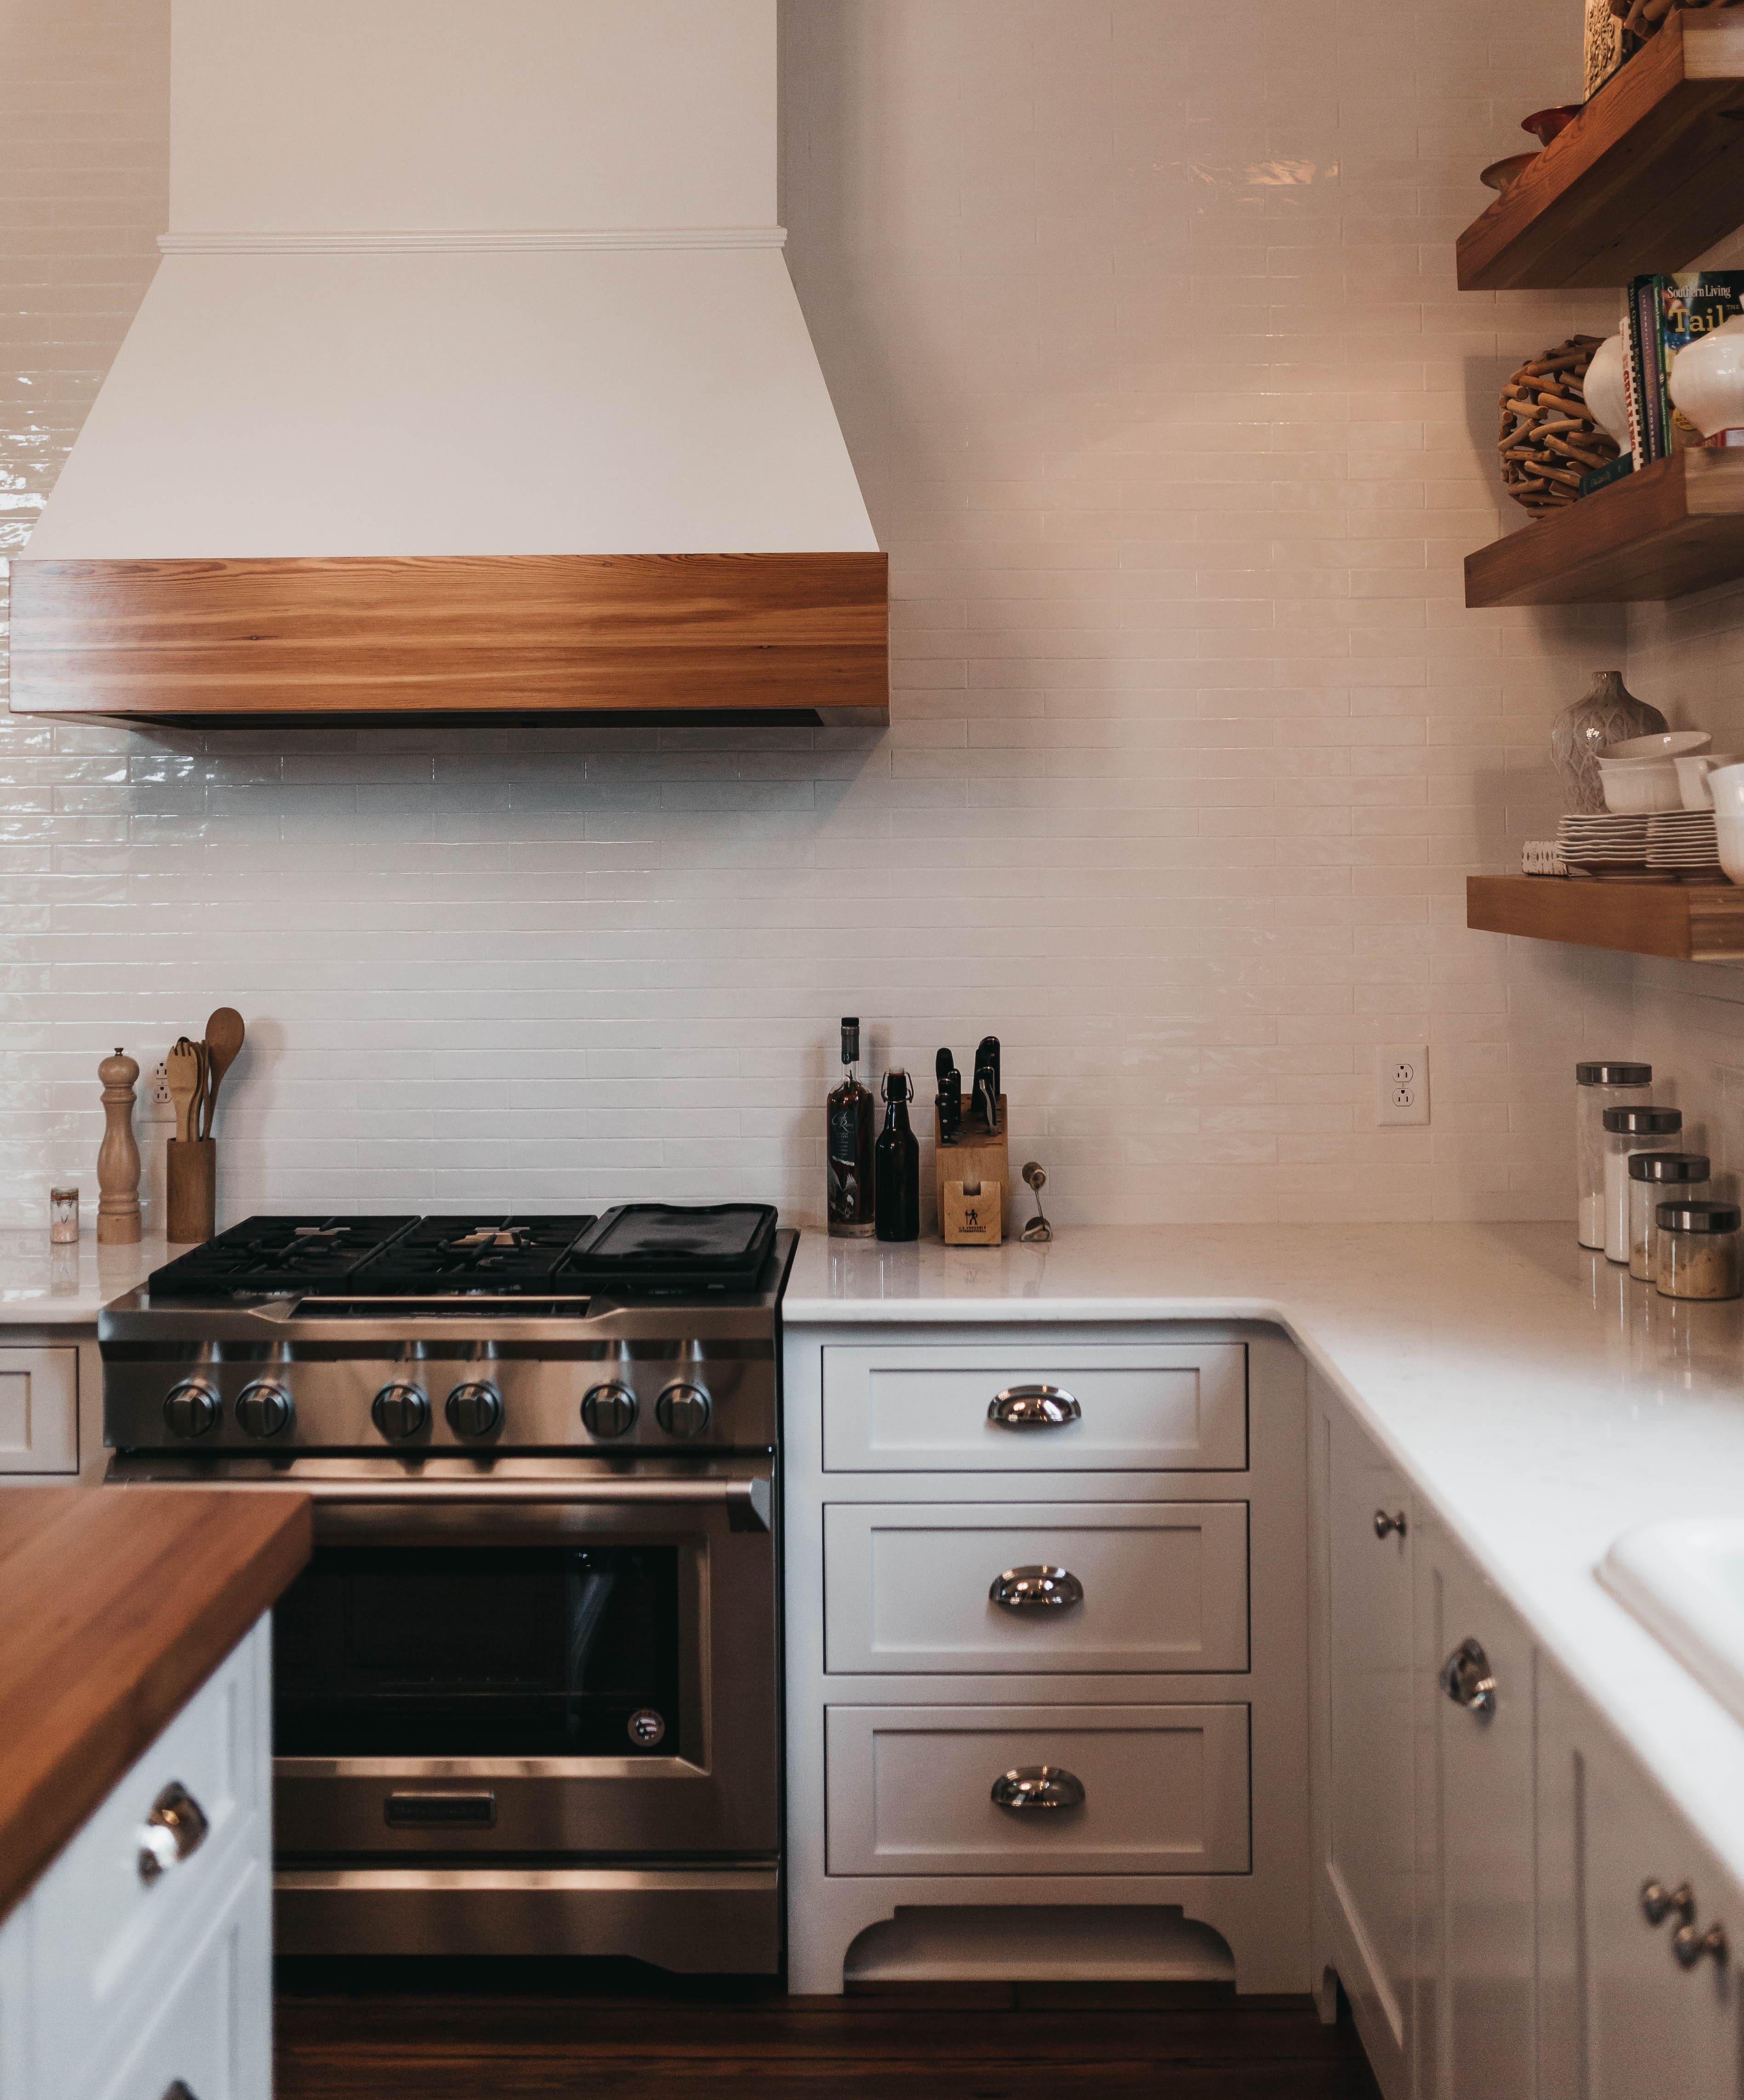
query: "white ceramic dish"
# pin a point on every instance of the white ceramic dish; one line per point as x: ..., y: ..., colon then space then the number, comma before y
x: 1693, y: 769
x: 1726, y: 785
x: 1641, y: 786
x: 1729, y: 840
x: 1667, y: 743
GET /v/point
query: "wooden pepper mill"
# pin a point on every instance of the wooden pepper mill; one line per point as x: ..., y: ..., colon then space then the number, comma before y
x: 118, y: 1157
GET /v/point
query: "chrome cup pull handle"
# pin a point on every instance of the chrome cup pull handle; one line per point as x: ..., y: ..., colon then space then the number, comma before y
x: 176, y: 1827
x: 1467, y: 1679
x: 1033, y: 1407
x: 1039, y: 1588
x: 1030, y: 1788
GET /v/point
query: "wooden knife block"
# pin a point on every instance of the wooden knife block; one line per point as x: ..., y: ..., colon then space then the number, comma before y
x: 190, y: 1189
x: 977, y: 1155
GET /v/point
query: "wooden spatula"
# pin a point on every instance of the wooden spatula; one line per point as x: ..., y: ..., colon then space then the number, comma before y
x: 182, y: 1071
x: 224, y: 1040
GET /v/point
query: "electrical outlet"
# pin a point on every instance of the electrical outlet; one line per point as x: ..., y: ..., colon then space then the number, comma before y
x: 1401, y: 1084
x: 156, y: 1105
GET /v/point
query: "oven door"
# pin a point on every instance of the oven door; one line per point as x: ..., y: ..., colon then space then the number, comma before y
x: 549, y: 1667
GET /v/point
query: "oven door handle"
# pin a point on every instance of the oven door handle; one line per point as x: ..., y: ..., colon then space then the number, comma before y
x: 746, y: 1501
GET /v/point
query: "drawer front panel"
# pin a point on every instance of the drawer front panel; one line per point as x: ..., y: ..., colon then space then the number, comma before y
x: 1169, y: 1409
x: 1164, y: 1587
x: 98, y: 1924
x: 1165, y: 1790
x: 39, y: 1411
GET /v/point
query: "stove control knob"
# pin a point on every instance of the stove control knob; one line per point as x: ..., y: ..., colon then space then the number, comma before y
x: 263, y: 1409
x: 473, y: 1409
x: 190, y: 1409
x: 609, y: 1410
x: 399, y: 1410
x: 682, y: 1410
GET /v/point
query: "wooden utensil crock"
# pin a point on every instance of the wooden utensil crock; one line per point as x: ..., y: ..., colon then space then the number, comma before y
x: 190, y: 1189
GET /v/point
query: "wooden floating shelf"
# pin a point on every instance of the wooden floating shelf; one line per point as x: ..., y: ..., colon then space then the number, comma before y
x: 1646, y: 178
x: 1690, y: 922
x: 1674, y: 527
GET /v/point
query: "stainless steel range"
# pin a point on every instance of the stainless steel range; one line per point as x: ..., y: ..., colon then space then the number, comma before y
x: 525, y: 1692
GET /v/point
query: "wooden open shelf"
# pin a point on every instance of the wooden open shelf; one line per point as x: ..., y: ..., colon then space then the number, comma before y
x: 1674, y: 527
x: 1690, y: 922
x: 1647, y: 177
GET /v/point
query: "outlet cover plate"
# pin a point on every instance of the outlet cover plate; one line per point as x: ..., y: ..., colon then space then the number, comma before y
x: 156, y: 1105
x: 1401, y: 1084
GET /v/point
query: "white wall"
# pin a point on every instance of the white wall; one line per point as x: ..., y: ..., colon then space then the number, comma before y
x: 1141, y: 322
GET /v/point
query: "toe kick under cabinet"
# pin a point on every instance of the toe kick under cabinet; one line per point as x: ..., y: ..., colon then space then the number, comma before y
x: 1046, y: 1632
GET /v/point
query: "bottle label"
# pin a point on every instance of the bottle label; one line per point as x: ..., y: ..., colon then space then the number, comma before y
x: 846, y: 1195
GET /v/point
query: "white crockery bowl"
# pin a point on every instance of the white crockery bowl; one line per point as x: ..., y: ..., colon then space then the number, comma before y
x: 1726, y: 783
x: 1693, y: 772
x: 1668, y: 744
x: 1729, y: 832
x: 1634, y: 789
x: 1605, y: 390
x: 1707, y: 379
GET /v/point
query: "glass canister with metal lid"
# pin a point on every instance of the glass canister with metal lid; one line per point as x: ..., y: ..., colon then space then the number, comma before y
x: 1629, y: 1131
x: 1608, y: 1084
x: 1699, y: 1250
x: 1657, y: 1178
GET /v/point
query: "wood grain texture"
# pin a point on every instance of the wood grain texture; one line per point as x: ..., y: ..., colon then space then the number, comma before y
x: 369, y: 635
x: 1024, y: 2043
x: 1674, y: 527
x: 120, y: 1603
x: 1647, y: 177
x: 1690, y: 922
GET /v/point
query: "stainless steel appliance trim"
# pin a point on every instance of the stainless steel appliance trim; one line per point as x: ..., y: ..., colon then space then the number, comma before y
x: 751, y: 1495
x: 665, y: 1880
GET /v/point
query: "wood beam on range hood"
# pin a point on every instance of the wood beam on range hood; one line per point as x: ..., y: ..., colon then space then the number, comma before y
x: 525, y: 634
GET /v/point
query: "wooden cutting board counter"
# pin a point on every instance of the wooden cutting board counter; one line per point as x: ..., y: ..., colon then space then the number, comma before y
x: 116, y: 1605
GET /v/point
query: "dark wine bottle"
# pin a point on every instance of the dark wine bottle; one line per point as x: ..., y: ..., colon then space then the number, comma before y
x: 849, y: 1149
x: 897, y: 1163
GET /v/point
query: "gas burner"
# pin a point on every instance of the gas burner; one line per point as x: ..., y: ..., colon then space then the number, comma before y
x: 497, y: 1257
x: 267, y: 1257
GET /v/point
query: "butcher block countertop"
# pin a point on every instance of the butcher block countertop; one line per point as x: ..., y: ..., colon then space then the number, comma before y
x: 116, y: 1605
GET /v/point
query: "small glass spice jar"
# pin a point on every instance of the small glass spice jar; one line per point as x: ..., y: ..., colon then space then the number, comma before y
x: 1628, y: 1130
x: 1608, y: 1084
x: 1656, y: 1178
x: 1698, y: 1253
x: 64, y: 1216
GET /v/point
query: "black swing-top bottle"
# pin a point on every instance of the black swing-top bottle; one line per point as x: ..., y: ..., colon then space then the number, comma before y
x: 897, y: 1163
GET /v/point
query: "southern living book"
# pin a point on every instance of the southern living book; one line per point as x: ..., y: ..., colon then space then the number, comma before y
x: 1663, y: 316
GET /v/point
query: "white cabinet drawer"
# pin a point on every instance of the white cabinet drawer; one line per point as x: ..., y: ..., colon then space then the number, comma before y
x: 98, y: 1925
x: 39, y: 1411
x: 1151, y: 1407
x: 1164, y: 1586
x: 212, y: 2032
x: 910, y: 1789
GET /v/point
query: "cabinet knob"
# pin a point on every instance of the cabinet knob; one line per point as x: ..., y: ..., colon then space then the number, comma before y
x: 1033, y: 1407
x: 176, y: 1827
x: 1033, y: 1589
x: 1032, y: 1787
x: 1466, y: 1678
x: 1658, y: 1902
x: 1386, y: 1524
x: 1689, y: 1946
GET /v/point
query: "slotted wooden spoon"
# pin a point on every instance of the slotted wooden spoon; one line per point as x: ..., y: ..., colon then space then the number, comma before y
x: 224, y: 1040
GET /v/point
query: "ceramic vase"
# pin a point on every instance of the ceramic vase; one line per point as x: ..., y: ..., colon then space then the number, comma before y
x: 1605, y: 713
x: 1707, y: 382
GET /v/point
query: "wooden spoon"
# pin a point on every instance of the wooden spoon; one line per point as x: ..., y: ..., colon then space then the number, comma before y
x: 182, y: 1072
x: 224, y: 1040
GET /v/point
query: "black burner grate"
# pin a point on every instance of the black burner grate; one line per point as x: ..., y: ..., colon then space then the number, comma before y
x: 509, y: 1257
x: 269, y: 1254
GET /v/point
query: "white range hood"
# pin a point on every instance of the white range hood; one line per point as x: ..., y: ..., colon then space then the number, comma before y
x: 469, y: 321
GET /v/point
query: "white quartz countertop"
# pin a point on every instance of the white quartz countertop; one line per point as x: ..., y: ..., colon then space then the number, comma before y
x: 1543, y: 1401
x: 42, y: 1286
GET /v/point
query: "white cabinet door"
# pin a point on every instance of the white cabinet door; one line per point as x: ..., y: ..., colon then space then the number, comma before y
x: 1475, y: 1941
x: 1368, y: 1877
x: 39, y: 1411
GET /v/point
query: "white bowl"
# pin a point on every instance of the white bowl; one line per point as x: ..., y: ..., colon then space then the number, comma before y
x: 1631, y: 790
x: 1605, y: 390
x: 1668, y: 744
x: 1707, y: 379
x: 1726, y: 783
x: 1692, y: 775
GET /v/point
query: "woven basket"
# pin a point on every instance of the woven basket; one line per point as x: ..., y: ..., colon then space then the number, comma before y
x: 1547, y: 438
x: 1644, y: 18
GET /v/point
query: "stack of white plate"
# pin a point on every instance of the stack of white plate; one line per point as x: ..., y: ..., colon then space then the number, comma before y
x: 1607, y: 845
x: 1685, y: 841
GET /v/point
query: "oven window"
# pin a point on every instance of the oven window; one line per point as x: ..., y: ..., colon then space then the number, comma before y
x: 540, y: 1652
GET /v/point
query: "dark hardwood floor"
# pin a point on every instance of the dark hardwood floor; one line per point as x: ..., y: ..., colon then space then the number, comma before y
x: 614, y: 2031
